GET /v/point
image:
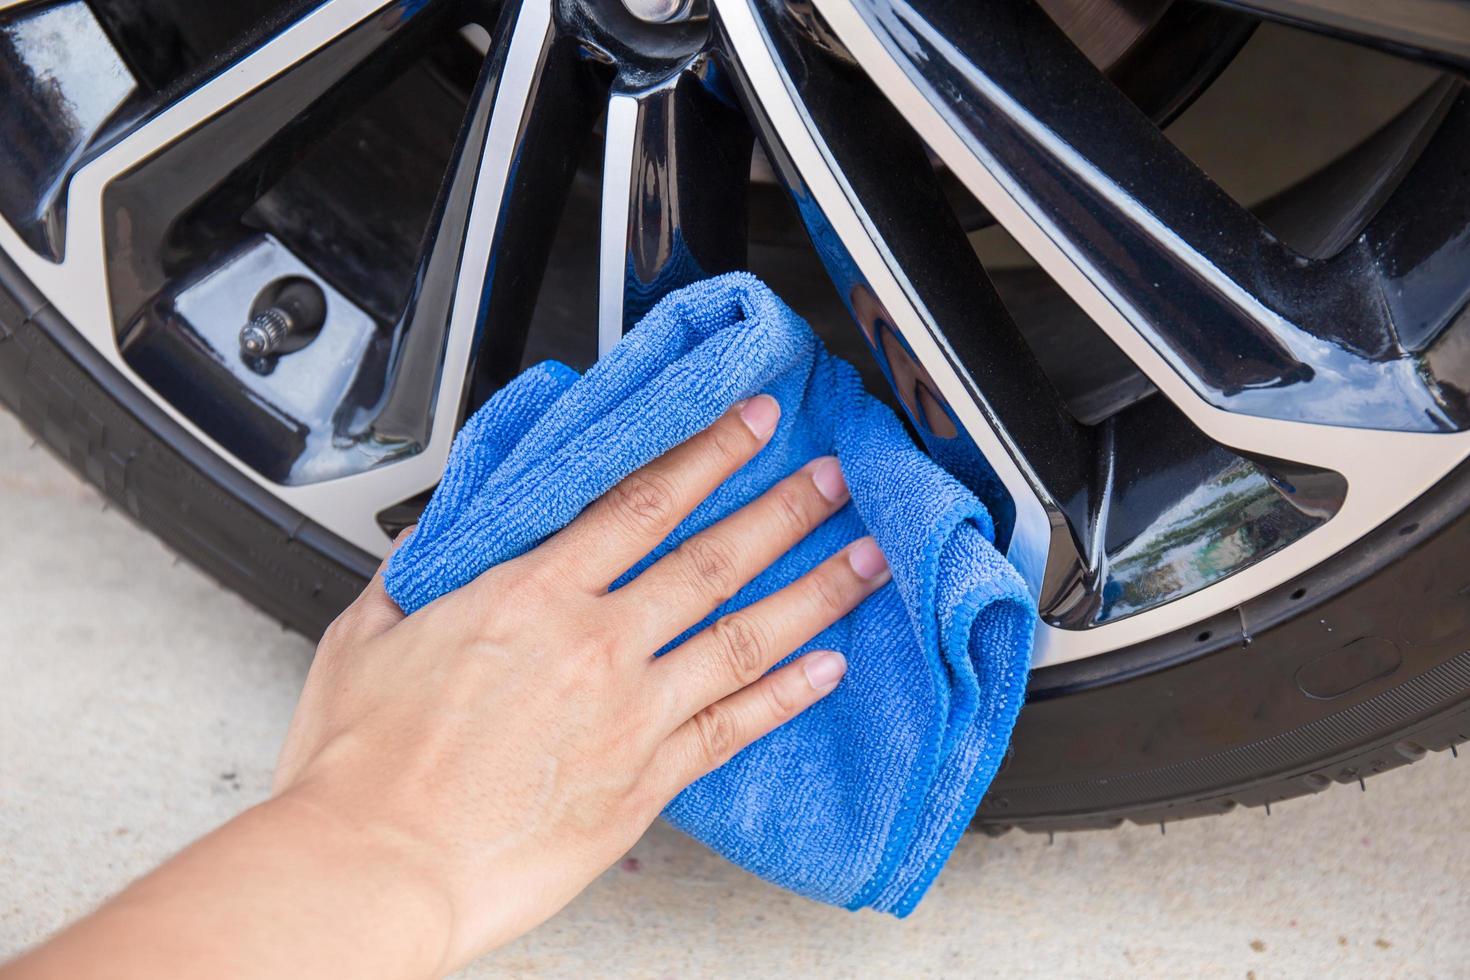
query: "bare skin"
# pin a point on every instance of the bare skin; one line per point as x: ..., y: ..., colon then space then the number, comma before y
x: 452, y: 779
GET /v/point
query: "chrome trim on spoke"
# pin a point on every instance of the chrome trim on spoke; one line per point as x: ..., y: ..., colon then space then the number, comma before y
x: 617, y: 190
x: 676, y: 162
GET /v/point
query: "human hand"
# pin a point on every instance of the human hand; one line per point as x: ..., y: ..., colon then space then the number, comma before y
x: 512, y: 739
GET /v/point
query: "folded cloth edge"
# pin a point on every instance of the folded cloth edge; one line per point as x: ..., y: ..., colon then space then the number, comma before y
x: 989, y: 596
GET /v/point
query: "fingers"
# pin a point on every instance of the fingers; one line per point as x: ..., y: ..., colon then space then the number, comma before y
x: 739, y: 648
x: 708, y: 740
x: 687, y: 584
x: 630, y: 520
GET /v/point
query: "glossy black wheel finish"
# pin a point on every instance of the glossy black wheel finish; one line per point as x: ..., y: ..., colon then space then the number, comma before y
x: 1351, y: 321
x: 1252, y: 326
x: 183, y: 214
x: 687, y: 155
x: 1110, y: 522
x: 78, y: 75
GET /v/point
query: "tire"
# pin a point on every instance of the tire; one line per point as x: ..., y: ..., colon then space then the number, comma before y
x: 150, y: 469
x: 1358, y: 667
x: 1357, y: 663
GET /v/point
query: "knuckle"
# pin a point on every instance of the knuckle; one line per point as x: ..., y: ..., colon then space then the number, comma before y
x: 726, y: 443
x: 791, y: 506
x: 824, y: 594
x: 601, y: 643
x: 479, y: 622
x: 642, y: 501
x: 537, y: 580
x: 645, y: 801
x: 490, y: 629
x: 743, y: 646
x: 715, y: 731
x: 710, y: 565
x: 780, y: 701
x: 338, y: 632
x: 534, y: 579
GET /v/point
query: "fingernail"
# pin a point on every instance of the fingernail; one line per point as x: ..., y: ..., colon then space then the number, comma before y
x: 827, y: 475
x: 866, y: 559
x: 823, y: 670
x: 760, y: 415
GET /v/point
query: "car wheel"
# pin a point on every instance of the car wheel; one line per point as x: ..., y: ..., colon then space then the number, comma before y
x: 1205, y: 359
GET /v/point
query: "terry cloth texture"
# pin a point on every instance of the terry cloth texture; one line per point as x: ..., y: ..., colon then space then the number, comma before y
x: 860, y: 799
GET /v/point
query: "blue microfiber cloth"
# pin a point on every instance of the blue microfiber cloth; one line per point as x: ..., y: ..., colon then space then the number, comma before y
x: 860, y: 799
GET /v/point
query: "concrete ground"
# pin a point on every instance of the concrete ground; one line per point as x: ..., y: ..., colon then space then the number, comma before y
x: 141, y: 704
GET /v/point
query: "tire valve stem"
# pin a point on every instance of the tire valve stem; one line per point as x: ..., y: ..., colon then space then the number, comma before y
x: 262, y: 336
x: 286, y: 316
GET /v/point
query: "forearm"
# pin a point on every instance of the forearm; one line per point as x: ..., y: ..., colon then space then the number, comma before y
x: 282, y: 890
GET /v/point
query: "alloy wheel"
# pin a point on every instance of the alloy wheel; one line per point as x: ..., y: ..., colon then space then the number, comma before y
x: 1288, y: 377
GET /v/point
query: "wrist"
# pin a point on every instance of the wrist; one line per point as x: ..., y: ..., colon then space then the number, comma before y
x: 379, y: 880
x: 288, y: 888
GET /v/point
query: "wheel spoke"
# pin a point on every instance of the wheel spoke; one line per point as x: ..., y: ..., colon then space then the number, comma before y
x: 511, y: 168
x: 1064, y: 545
x: 1431, y: 30
x: 202, y: 164
x: 866, y: 188
x: 865, y: 236
x: 192, y: 163
x: 70, y: 100
x: 516, y: 156
x: 1143, y: 241
x: 58, y: 97
x: 675, y: 163
x: 1417, y: 237
x: 244, y: 113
